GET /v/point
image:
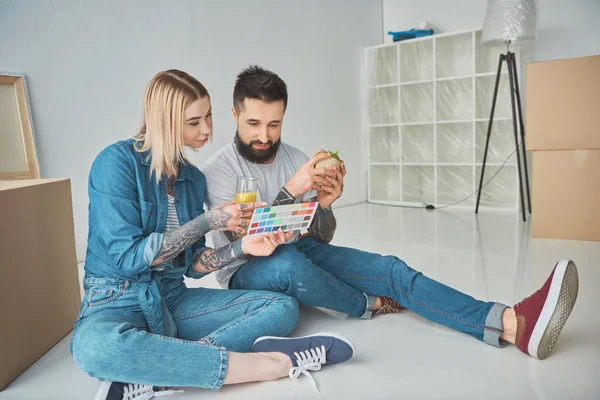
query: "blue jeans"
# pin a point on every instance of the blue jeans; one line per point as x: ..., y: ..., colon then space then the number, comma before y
x: 345, y: 280
x: 112, y: 341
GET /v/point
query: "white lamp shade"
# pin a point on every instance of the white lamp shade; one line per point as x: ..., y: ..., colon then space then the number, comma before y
x: 510, y: 21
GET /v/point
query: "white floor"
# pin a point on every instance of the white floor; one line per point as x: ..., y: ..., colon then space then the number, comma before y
x: 404, y: 356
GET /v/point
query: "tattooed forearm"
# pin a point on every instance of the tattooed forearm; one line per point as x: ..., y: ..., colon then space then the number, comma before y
x: 177, y: 240
x: 211, y: 260
x: 232, y: 236
x: 284, y: 197
x: 323, y: 225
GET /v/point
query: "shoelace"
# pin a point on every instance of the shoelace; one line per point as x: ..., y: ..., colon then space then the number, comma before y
x: 143, y: 392
x: 309, y: 360
x: 525, y: 299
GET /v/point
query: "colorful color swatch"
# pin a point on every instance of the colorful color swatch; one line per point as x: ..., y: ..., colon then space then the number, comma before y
x: 292, y: 217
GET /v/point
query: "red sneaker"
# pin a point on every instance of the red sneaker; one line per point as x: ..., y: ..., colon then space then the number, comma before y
x: 541, y: 316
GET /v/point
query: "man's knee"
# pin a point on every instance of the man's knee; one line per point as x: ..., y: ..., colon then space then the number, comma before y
x: 289, y: 262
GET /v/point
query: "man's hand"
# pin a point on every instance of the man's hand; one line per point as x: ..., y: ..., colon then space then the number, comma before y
x: 308, y: 177
x: 328, y: 193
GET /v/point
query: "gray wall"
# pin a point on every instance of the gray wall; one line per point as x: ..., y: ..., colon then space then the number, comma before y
x: 567, y: 28
x: 87, y: 63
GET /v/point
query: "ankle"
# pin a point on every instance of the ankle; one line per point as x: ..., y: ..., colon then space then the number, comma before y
x: 281, y: 364
x: 509, y: 325
x: 377, y: 303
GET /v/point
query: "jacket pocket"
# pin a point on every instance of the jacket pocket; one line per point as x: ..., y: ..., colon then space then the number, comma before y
x: 149, y: 217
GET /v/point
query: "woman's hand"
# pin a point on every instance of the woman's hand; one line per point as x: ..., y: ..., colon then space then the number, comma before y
x: 232, y: 217
x: 265, y: 244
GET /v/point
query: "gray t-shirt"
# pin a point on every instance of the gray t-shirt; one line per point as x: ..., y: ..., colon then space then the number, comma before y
x: 221, y: 173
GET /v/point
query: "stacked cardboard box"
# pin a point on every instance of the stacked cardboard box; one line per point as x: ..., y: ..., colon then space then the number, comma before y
x: 39, y: 287
x: 563, y: 131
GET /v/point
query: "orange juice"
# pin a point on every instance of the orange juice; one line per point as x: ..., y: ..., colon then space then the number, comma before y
x: 245, y: 197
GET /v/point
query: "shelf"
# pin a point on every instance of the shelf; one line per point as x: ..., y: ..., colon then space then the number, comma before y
x: 383, y: 86
x: 428, y: 115
x: 416, y: 61
x: 416, y: 123
x: 416, y: 103
x: 417, y: 144
x: 454, y: 183
x: 454, y: 78
x: 417, y: 82
x: 439, y: 164
x: 418, y: 184
x: 456, y: 121
x: 502, y: 141
x: 454, y: 99
x: 455, y: 143
x: 382, y: 125
x: 382, y: 66
x: 454, y: 56
x: 384, y: 144
x: 430, y: 80
x: 484, y: 90
x: 495, y: 119
x: 385, y: 182
x: 418, y: 164
x: 490, y: 164
x: 503, y: 72
x: 383, y: 105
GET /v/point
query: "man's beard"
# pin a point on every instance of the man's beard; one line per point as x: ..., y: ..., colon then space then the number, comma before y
x: 253, y: 155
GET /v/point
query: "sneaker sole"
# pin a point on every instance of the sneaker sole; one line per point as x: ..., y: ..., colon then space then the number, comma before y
x: 335, y: 335
x: 557, y: 308
x: 103, y: 390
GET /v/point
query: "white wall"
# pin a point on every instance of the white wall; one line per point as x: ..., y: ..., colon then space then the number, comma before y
x: 87, y: 63
x: 567, y: 28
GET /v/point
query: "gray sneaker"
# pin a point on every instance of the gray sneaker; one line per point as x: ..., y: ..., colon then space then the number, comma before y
x: 308, y: 353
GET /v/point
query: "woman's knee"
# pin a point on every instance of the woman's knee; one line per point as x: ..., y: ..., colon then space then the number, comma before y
x: 287, y: 311
x: 96, y: 344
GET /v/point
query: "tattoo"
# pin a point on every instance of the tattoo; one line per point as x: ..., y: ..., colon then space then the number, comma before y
x: 177, y: 240
x: 284, y: 197
x: 323, y: 225
x: 218, y: 218
x: 170, y: 186
x: 206, y: 261
x: 232, y: 236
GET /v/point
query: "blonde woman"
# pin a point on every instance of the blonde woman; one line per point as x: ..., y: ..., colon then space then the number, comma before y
x: 139, y: 326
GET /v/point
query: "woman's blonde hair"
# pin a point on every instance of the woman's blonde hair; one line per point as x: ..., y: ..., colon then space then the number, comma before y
x: 167, y: 96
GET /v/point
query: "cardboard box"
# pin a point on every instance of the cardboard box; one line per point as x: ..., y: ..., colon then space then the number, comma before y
x: 566, y: 194
x: 563, y: 104
x: 39, y: 287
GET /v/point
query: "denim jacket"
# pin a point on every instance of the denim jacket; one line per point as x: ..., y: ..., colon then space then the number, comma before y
x: 127, y: 218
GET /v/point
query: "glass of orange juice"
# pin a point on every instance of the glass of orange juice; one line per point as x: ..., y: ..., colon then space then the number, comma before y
x: 246, y: 189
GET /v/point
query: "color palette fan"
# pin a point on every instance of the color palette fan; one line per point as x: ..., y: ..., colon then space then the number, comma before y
x: 292, y: 217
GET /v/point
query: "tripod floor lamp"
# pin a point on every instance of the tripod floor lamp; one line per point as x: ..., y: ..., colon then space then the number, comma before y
x: 510, y: 22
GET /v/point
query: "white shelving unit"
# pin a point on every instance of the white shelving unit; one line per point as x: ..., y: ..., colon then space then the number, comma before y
x: 429, y: 101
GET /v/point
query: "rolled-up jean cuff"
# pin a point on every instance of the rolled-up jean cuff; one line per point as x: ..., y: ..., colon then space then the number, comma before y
x: 369, y: 307
x: 224, y: 366
x: 493, y: 326
x: 223, y: 369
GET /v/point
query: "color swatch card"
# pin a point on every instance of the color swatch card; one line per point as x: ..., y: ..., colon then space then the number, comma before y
x: 292, y: 217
